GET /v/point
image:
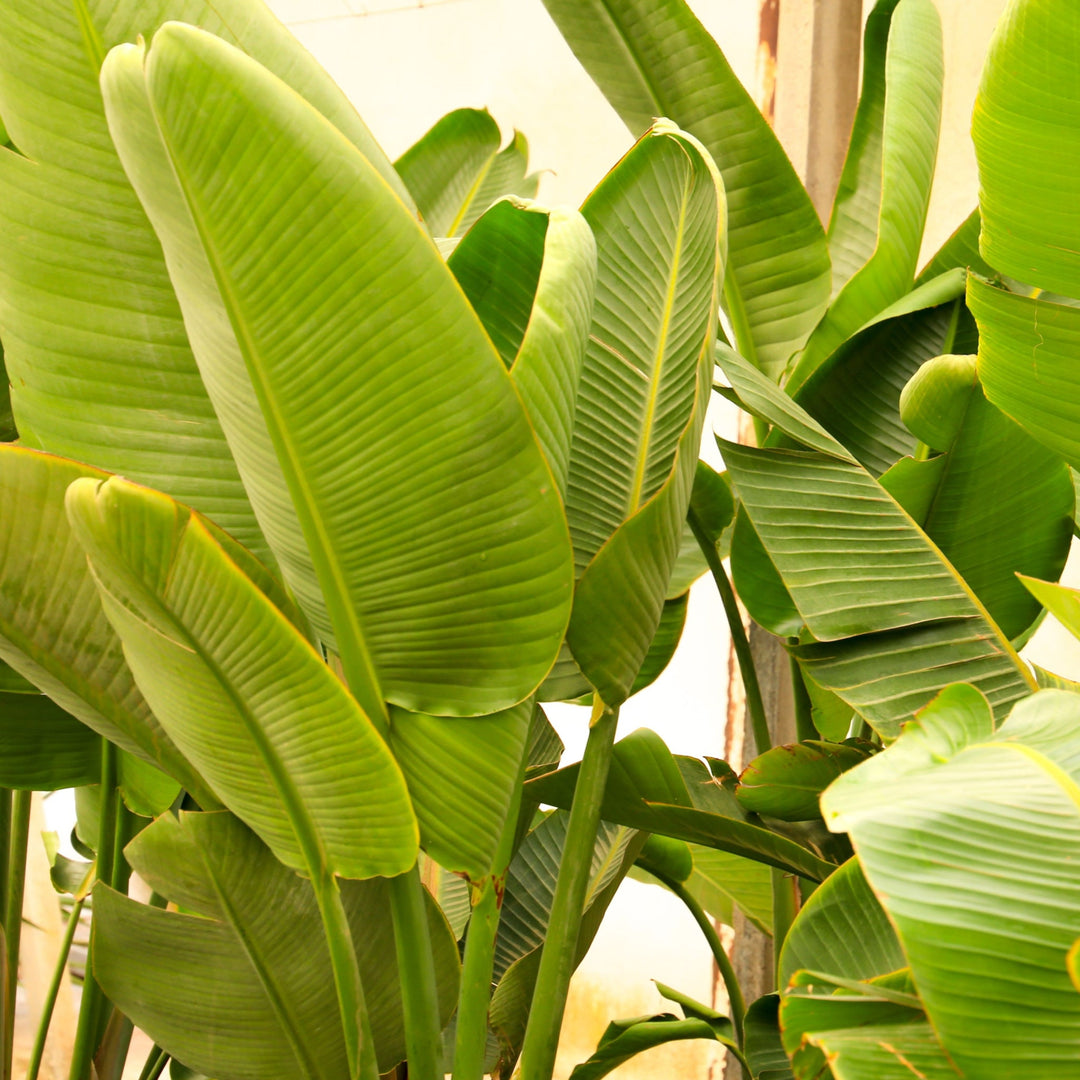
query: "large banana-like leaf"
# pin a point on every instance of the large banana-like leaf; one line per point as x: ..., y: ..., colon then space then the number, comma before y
x: 42, y: 747
x: 455, y: 171
x: 81, y: 273
x: 1024, y: 127
x: 855, y: 393
x: 653, y: 58
x: 463, y: 774
x: 530, y: 275
x: 888, y: 620
x: 643, y: 395
x: 884, y: 191
x: 442, y: 578
x: 53, y: 631
x: 247, y: 699
x: 966, y: 836
x: 251, y: 931
x: 652, y: 790
x: 991, y: 475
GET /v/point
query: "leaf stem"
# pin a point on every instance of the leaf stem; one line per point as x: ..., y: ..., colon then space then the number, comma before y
x: 13, y: 901
x: 785, y: 898
x: 755, y: 704
x: 92, y: 998
x: 474, y: 1000
x: 58, y: 975
x: 559, y: 953
x: 804, y: 708
x: 723, y: 961
x: 156, y: 1061
x: 356, y: 1026
x: 419, y: 997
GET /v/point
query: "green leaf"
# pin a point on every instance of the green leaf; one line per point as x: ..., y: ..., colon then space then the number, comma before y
x: 650, y: 789
x: 623, y: 1039
x: 786, y: 782
x: 992, y: 475
x: 53, y: 631
x: 42, y: 747
x: 961, y: 249
x: 241, y: 692
x: 82, y: 271
x: 1024, y: 124
x: 455, y: 171
x: 462, y: 775
x: 644, y: 390
x: 254, y: 935
x: 721, y: 879
x: 884, y: 1052
x: 878, y: 219
x: 842, y: 929
x: 664, y: 643
x: 855, y: 393
x: 530, y: 887
x: 712, y: 501
x: 654, y: 58
x: 1027, y: 350
x: 764, y: 1050
x: 878, y: 599
x: 416, y: 586
x: 758, y: 583
x: 952, y: 806
x: 1061, y: 601
x: 530, y: 275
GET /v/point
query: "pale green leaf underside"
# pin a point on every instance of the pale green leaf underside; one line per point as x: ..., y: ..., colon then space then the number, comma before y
x: 653, y: 58
x: 363, y: 355
x: 240, y: 691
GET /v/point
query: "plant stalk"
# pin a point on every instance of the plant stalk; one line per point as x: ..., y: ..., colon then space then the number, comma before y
x: 474, y: 1000
x: 5, y: 845
x: 19, y: 835
x: 560, y: 947
x: 755, y: 704
x: 58, y: 976
x: 804, y: 707
x: 91, y: 1006
x: 785, y: 898
x: 156, y: 1061
x: 723, y: 961
x: 356, y: 1025
x: 419, y: 998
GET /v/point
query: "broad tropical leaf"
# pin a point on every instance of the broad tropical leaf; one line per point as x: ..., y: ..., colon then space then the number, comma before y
x: 455, y: 170
x: 1061, y: 601
x: 643, y: 395
x: 42, y: 747
x: 712, y: 501
x: 878, y: 220
x: 884, y: 1052
x: 453, y: 600
x: 53, y: 631
x: 955, y: 803
x: 650, y: 789
x: 243, y: 694
x: 764, y: 1050
x: 530, y: 275
x: 653, y: 58
x: 81, y: 272
x: 252, y: 931
x: 463, y: 773
x: 880, y: 604
x: 993, y: 475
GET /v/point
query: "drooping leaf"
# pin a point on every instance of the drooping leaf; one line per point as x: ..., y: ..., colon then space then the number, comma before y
x: 654, y: 58
x: 951, y: 806
x: 712, y: 501
x: 81, y: 271
x: 530, y: 274
x: 455, y: 170
x: 650, y: 789
x: 881, y: 605
x: 992, y: 476
x: 764, y: 1050
x: 53, y: 631
x: 644, y: 390
x: 1060, y: 600
x: 239, y: 689
x: 664, y: 643
x: 462, y: 774
x: 786, y: 782
x: 758, y: 582
x: 878, y: 220
x: 408, y: 591
x: 254, y: 936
